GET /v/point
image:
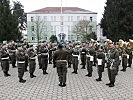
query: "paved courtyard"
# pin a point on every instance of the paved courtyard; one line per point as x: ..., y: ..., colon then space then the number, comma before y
x: 79, y: 87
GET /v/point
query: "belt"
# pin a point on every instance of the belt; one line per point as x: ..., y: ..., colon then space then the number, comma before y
x: 62, y: 60
x: 32, y: 58
x: 21, y: 62
x: 5, y: 58
x: 87, y: 55
x: 44, y: 53
x: 75, y: 55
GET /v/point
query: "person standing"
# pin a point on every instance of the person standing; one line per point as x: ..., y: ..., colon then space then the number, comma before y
x: 90, y: 60
x: 12, y: 53
x: 100, y: 63
x: 25, y: 47
x: 5, y: 60
x: 75, y: 59
x: 83, y: 56
x: 44, y: 58
x: 60, y: 57
x: 112, y: 64
x: 32, y: 61
x: 129, y: 55
x: 20, y: 55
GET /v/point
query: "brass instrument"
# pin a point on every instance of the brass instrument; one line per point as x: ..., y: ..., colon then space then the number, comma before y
x: 122, y: 46
x: 130, y: 43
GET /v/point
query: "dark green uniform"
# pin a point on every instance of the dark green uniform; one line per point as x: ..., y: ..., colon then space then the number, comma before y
x: 39, y: 56
x: 124, y: 62
x: 60, y: 57
x: 44, y: 59
x: 50, y: 54
x: 113, y: 63
x: 20, y: 55
x: 32, y: 61
x: 90, y: 60
x: 69, y: 56
x: 75, y: 60
x: 5, y: 61
x: 100, y: 64
x: 12, y: 54
x: 26, y: 57
x: 129, y: 56
x: 83, y: 57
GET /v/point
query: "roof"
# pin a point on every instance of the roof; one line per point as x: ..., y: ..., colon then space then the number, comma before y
x: 64, y: 10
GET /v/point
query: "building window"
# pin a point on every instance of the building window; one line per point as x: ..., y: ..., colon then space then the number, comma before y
x: 78, y: 37
x: 51, y: 18
x: 32, y: 19
x: 68, y: 18
x: 45, y: 28
x: 52, y: 28
x: 33, y: 38
x: 84, y: 18
x: 45, y: 18
x: 78, y: 18
x: 91, y: 19
x: 69, y: 37
x: 32, y: 28
x: 62, y: 28
x: 61, y: 18
x: 71, y: 28
x: 68, y: 28
x: 71, y: 18
x: 54, y: 18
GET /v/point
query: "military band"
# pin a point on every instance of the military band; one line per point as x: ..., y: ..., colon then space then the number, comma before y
x: 102, y: 55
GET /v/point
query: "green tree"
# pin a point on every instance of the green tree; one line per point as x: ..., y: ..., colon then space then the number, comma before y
x: 53, y: 38
x: 18, y: 11
x: 8, y: 22
x: 117, y: 19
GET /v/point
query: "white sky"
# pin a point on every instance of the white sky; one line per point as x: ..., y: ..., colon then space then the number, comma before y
x: 92, y: 5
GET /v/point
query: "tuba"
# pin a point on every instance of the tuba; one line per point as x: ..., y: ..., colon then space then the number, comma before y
x: 123, y: 46
x: 130, y: 43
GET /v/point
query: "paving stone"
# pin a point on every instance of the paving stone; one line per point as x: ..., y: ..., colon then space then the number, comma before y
x: 78, y: 86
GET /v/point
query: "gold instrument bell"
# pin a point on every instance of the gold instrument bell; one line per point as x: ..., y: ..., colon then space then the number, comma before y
x: 130, y: 43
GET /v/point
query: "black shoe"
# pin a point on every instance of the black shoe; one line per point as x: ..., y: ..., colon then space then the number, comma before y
x: 40, y: 67
x: 87, y: 75
x: 5, y: 75
x: 50, y: 62
x: 108, y: 83
x: 54, y: 66
x: 14, y: 66
x: 60, y: 84
x: 64, y: 84
x: 22, y: 81
x: 90, y: 75
x: 83, y: 68
x: 8, y: 74
x: 73, y: 72
x: 99, y: 79
x: 76, y: 72
x: 44, y: 73
x: 129, y: 66
x: 123, y: 70
x: 69, y: 66
x: 81, y: 64
x: 111, y: 85
x: 32, y: 76
x: 26, y: 70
